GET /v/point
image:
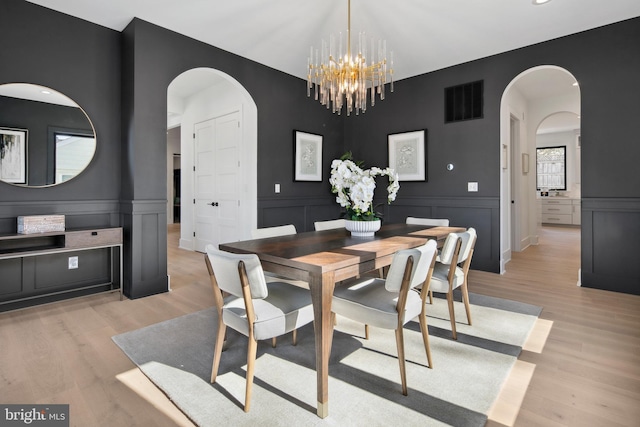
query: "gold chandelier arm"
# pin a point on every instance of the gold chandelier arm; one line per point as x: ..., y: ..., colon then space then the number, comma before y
x: 349, y: 29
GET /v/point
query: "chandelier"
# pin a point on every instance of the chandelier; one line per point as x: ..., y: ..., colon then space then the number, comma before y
x: 346, y: 79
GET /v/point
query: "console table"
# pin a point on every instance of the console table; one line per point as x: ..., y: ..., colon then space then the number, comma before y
x: 46, y: 267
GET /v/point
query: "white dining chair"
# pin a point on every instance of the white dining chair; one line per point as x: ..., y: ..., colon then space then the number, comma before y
x: 428, y: 221
x: 452, y: 269
x: 251, y: 307
x: 329, y: 224
x: 280, y: 230
x: 390, y: 303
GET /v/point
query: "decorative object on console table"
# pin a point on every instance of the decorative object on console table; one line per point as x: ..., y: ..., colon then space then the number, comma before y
x: 355, y: 189
x: 40, y: 224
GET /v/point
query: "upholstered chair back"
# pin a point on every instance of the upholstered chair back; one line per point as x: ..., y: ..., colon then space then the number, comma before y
x: 225, y: 266
x: 422, y: 257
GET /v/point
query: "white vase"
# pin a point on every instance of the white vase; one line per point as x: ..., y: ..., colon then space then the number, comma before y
x: 362, y: 228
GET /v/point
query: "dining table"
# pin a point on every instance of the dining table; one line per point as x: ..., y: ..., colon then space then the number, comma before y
x: 323, y: 258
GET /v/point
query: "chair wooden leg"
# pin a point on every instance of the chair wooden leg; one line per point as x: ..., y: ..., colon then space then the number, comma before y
x: 273, y: 342
x: 295, y: 336
x: 430, y: 297
x: 452, y: 315
x: 366, y: 332
x: 217, y: 352
x: 424, y: 328
x: 465, y: 298
x: 401, y: 361
x: 251, y: 361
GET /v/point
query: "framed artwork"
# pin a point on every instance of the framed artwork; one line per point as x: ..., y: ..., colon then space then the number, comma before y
x: 505, y: 156
x: 407, y: 155
x: 13, y: 155
x: 525, y: 163
x: 307, y: 154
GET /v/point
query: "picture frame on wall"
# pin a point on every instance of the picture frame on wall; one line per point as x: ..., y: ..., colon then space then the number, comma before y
x: 13, y: 155
x: 408, y: 155
x: 525, y: 163
x: 307, y: 154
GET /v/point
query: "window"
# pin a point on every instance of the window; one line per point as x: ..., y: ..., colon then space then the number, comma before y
x: 551, y: 168
x: 73, y: 152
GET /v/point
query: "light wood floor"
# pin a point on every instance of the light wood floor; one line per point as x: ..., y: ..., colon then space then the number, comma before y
x: 588, y: 373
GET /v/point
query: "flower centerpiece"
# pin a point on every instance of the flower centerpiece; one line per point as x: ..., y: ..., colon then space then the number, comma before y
x: 354, y: 188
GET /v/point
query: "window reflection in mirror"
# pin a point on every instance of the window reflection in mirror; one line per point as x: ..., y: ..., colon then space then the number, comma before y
x: 73, y: 153
x: 58, y: 139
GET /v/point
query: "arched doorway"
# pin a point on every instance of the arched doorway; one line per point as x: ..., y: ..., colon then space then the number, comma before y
x: 530, y: 97
x: 196, y: 96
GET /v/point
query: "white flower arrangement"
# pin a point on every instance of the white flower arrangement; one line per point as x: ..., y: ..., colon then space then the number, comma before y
x: 355, y: 187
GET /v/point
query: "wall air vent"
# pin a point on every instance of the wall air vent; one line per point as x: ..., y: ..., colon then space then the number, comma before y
x: 464, y: 102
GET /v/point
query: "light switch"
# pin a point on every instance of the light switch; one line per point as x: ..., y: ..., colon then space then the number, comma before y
x: 472, y: 186
x: 277, y: 188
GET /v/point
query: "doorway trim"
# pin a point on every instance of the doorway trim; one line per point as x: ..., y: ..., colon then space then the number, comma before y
x: 526, y: 209
x: 222, y: 93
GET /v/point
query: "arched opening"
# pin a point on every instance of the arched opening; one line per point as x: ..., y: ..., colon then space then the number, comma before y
x: 199, y: 96
x: 530, y: 98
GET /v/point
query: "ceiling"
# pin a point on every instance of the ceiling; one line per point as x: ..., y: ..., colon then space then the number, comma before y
x: 35, y: 93
x: 424, y: 35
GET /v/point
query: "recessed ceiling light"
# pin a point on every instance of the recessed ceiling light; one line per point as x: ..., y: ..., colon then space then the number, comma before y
x: 539, y: 2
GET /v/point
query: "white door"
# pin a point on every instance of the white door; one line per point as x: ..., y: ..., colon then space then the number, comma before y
x: 217, y: 180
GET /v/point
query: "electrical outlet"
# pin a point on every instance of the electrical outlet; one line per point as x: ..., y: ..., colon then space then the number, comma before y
x: 472, y: 186
x: 73, y: 262
x: 277, y: 188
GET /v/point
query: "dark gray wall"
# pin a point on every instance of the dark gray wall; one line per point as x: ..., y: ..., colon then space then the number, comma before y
x: 152, y: 58
x: 82, y: 61
x: 606, y: 63
x: 121, y: 81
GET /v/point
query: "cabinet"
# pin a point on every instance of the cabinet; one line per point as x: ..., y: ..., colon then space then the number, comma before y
x: 561, y: 211
x: 46, y: 267
x: 577, y: 212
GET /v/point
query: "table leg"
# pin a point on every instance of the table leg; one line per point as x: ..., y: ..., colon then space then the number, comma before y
x: 321, y: 287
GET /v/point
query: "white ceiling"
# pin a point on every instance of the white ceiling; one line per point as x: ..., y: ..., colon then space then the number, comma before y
x: 35, y: 93
x: 559, y: 122
x: 424, y: 35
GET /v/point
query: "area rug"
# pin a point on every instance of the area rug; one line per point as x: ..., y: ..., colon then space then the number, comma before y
x: 364, y: 377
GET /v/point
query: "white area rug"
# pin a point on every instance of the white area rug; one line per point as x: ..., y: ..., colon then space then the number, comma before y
x: 364, y: 377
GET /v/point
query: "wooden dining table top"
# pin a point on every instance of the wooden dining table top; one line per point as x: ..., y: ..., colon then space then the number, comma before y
x: 317, y: 251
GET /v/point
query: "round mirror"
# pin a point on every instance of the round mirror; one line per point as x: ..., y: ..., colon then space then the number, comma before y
x: 45, y: 137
